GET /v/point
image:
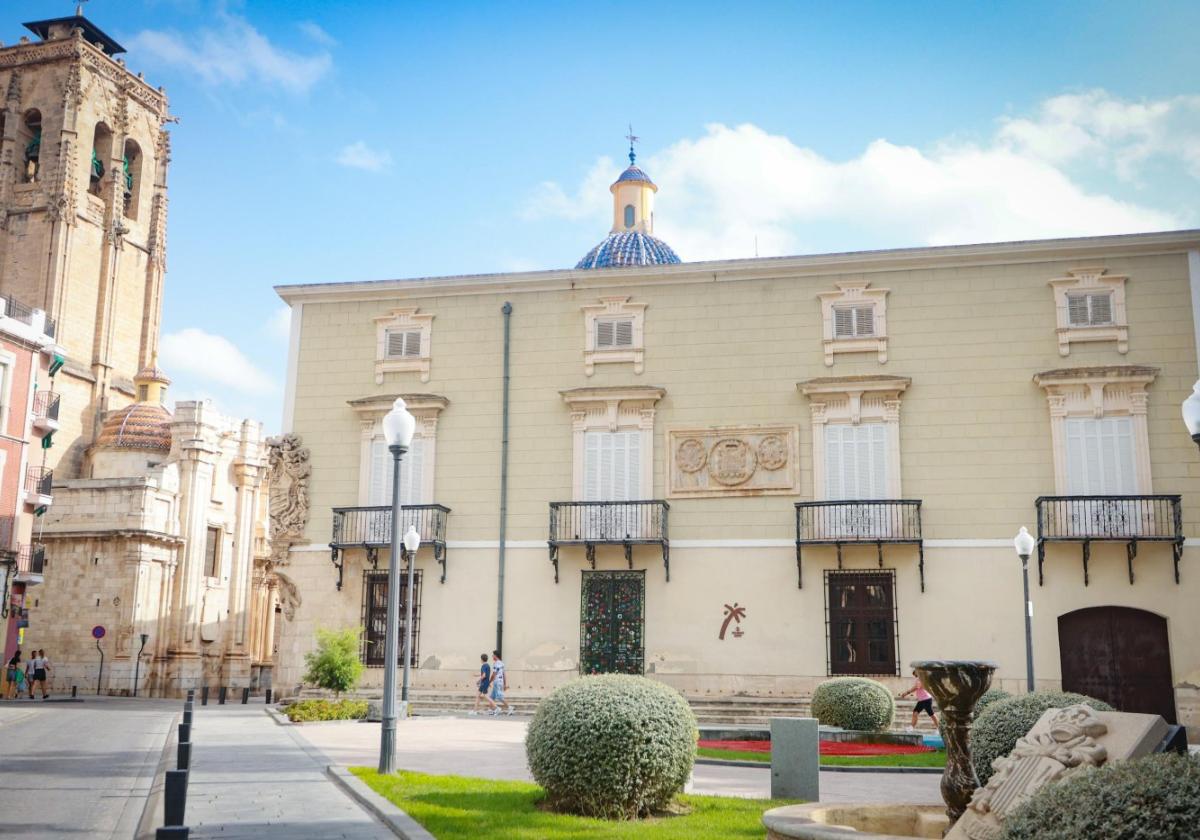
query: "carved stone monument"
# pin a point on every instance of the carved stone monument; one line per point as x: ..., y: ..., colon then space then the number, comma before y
x: 728, y: 461
x: 287, y: 475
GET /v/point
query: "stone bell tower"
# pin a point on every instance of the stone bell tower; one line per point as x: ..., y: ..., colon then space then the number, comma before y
x: 83, y: 214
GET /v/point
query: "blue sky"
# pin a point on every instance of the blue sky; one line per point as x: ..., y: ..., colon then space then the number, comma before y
x: 328, y: 141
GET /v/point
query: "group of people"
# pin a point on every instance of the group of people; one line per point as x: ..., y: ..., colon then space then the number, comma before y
x: 493, y: 682
x: 24, y: 676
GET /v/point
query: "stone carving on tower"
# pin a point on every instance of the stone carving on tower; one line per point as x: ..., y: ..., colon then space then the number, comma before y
x: 287, y: 475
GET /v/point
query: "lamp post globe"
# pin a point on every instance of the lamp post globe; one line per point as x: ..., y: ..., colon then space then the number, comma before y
x: 1191, y: 413
x: 1024, y: 543
x: 399, y: 426
x: 412, y: 541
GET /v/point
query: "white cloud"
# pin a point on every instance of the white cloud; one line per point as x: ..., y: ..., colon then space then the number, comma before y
x: 234, y: 53
x: 316, y: 33
x: 361, y: 156
x: 195, y: 355
x: 734, y: 185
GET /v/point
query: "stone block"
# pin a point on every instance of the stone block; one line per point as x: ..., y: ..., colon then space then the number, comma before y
x: 795, y: 759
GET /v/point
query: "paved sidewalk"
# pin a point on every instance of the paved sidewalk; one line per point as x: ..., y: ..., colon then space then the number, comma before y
x: 495, y: 749
x: 251, y: 778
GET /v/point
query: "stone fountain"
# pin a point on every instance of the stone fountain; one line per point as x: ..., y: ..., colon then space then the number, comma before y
x: 957, y: 686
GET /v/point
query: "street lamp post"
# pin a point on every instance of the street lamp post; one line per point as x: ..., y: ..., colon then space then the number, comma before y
x: 1191, y: 413
x: 398, y: 429
x: 412, y: 541
x: 1024, y: 544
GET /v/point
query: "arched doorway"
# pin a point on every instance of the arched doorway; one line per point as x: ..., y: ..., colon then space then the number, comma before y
x: 1120, y: 655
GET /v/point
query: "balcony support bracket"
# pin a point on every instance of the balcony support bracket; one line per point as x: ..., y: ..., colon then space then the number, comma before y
x: 921, y: 563
x: 799, y: 567
x: 339, y: 561
x: 1177, y: 547
x: 666, y: 546
x: 1087, y: 555
x: 589, y: 552
x: 373, y: 556
x: 879, y: 548
x: 1041, y: 561
x: 839, y: 553
x: 629, y: 555
x: 554, y: 560
x: 439, y: 554
x: 1130, y: 553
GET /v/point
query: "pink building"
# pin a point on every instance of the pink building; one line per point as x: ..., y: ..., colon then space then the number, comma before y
x: 29, y: 410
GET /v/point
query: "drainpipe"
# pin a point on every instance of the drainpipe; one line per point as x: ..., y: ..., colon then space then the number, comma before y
x: 506, y: 310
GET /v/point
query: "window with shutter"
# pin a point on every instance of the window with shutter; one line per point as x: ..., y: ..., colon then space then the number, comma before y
x: 411, y: 474
x: 1090, y: 310
x: 855, y: 461
x: 1100, y: 456
x: 403, y: 344
x: 614, y: 333
x: 854, y: 321
x: 612, y: 466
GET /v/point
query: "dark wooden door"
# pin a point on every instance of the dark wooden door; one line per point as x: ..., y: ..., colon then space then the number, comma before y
x: 1119, y: 655
x: 612, y: 623
x: 862, y: 622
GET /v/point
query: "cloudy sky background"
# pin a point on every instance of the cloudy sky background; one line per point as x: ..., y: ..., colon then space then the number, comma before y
x: 343, y: 141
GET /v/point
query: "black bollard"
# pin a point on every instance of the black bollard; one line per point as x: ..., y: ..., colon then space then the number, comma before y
x: 185, y: 732
x: 74, y: 690
x: 187, y: 716
x: 221, y: 697
x: 175, y: 797
x: 171, y: 832
x: 191, y: 695
x: 268, y: 697
x: 204, y: 696
x: 245, y: 696
x: 184, y: 758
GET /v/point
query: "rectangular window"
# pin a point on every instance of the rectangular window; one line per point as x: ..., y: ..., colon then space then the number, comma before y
x: 614, y: 333
x: 411, y: 474
x: 612, y: 466
x: 402, y: 344
x: 1100, y: 458
x: 855, y: 461
x: 212, y: 552
x: 861, y: 614
x: 1090, y: 310
x: 853, y: 321
x: 375, y: 597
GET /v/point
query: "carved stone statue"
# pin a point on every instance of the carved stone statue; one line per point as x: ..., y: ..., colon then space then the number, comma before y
x: 288, y: 471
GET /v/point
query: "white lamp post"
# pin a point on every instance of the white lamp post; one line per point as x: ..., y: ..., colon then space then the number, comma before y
x: 1024, y: 544
x: 1191, y: 413
x: 412, y: 541
x: 398, y: 429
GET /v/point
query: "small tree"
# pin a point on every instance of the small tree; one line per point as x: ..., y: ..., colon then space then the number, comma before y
x: 335, y: 665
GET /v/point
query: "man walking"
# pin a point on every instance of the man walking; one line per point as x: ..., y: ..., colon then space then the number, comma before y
x: 482, y: 685
x: 499, y: 686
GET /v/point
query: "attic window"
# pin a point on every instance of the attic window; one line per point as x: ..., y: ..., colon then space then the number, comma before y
x: 854, y: 321
x: 1089, y: 305
x: 1090, y: 310
x: 403, y: 344
x: 612, y: 333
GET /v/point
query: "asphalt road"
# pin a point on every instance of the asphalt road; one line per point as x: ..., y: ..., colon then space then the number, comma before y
x: 78, y: 769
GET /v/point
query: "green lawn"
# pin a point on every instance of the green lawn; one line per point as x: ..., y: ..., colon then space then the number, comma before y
x: 928, y: 759
x: 461, y: 808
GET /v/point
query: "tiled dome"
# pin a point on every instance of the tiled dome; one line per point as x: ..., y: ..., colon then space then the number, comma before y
x: 634, y: 174
x: 629, y: 248
x: 140, y: 426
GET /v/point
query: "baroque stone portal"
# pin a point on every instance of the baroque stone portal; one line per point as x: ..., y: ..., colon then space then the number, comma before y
x: 741, y: 461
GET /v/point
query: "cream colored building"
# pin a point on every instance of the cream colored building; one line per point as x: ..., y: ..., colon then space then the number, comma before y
x: 745, y: 476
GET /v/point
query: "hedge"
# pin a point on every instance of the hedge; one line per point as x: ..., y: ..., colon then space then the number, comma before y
x: 854, y: 703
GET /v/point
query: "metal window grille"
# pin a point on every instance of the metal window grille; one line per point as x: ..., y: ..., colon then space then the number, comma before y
x: 862, y: 626
x: 374, y: 618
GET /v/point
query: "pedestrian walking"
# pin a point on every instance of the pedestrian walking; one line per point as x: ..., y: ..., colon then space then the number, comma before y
x: 15, y: 673
x: 499, y: 684
x: 40, y: 665
x: 924, y: 702
x: 481, y: 686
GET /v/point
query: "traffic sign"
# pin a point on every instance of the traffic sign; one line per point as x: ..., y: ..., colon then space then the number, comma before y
x: 98, y: 631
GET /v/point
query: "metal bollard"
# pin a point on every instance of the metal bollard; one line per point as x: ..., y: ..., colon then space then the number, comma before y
x: 221, y: 697
x: 191, y: 695
x: 184, y: 757
x: 74, y: 690
x: 171, y: 832
x: 185, y: 732
x: 245, y: 696
x: 187, y: 716
x: 268, y: 697
x: 175, y: 797
x: 204, y: 696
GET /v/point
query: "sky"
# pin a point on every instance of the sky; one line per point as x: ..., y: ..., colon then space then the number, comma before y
x: 332, y: 140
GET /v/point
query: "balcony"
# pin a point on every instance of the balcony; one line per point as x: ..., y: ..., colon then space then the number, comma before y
x: 31, y: 563
x: 38, y: 482
x: 45, y: 411
x: 868, y: 522
x: 370, y: 528
x: 1121, y: 519
x: 627, y: 524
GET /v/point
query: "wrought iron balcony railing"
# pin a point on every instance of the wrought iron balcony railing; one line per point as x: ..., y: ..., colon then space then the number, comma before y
x: 16, y: 310
x: 370, y: 528
x: 45, y: 409
x: 39, y: 481
x: 31, y: 561
x: 859, y: 522
x: 1127, y: 519
x: 627, y: 524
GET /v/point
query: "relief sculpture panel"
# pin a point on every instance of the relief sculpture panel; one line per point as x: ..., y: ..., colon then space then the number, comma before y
x: 733, y: 461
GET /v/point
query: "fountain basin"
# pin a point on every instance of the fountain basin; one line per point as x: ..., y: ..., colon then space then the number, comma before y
x: 884, y: 821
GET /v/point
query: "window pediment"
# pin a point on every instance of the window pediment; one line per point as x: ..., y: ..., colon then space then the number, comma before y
x: 1089, y: 305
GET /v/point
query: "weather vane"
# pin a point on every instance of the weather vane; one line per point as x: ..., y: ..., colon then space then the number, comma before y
x: 632, y: 138
x: 79, y: 8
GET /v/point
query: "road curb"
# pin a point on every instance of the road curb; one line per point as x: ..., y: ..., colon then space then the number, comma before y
x: 149, y: 822
x: 825, y: 768
x: 400, y: 823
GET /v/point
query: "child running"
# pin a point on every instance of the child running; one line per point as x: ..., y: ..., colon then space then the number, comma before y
x: 924, y: 702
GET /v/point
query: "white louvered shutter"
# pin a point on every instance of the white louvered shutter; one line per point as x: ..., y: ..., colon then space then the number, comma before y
x: 379, y: 489
x: 604, y: 334
x: 855, y: 461
x: 623, y: 333
x: 843, y: 322
x: 1101, y: 308
x: 864, y: 320
x: 1077, y: 310
x: 403, y: 344
x: 1100, y: 456
x: 612, y: 466
x: 411, y: 474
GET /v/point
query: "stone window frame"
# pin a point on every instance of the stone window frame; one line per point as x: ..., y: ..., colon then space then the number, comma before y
x: 619, y: 306
x: 8, y: 369
x: 1090, y: 279
x: 426, y: 408
x: 1103, y: 391
x: 409, y: 318
x: 850, y: 293
x: 854, y: 399
x: 613, y: 409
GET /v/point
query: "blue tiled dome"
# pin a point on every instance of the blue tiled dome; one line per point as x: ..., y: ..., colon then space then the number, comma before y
x: 629, y: 248
x: 634, y: 174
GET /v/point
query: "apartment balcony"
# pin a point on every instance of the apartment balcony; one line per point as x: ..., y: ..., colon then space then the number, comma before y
x: 31, y: 563
x: 626, y: 524
x: 38, y: 483
x: 877, y: 522
x: 1120, y: 519
x: 370, y: 529
x: 45, y: 411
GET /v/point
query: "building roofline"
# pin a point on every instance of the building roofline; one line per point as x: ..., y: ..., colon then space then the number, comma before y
x: 892, y: 259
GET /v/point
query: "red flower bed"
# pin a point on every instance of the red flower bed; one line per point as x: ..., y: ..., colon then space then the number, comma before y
x: 827, y: 747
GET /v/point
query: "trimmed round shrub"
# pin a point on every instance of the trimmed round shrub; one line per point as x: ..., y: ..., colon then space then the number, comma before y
x: 854, y: 703
x: 992, y: 695
x: 997, y: 730
x: 612, y: 746
x: 1152, y: 798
